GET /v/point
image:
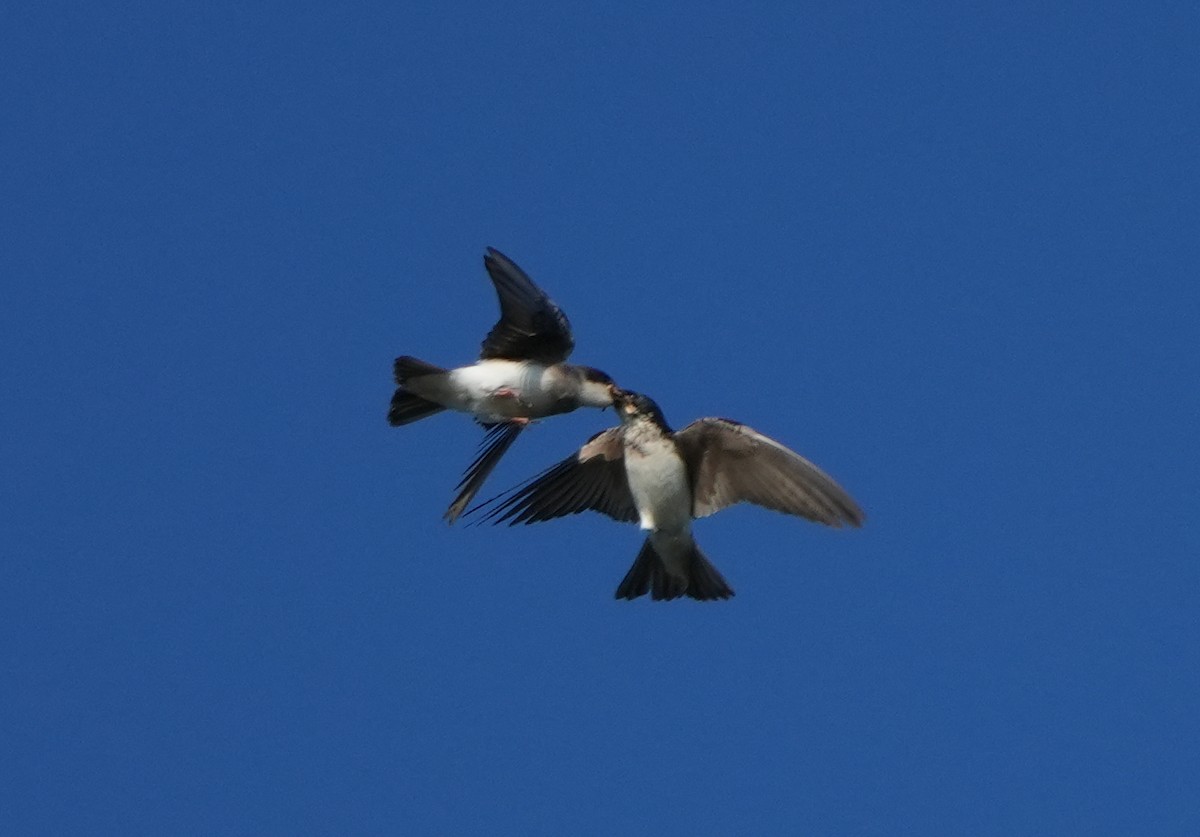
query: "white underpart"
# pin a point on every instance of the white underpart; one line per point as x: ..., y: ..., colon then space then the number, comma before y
x: 658, y: 482
x: 474, y: 389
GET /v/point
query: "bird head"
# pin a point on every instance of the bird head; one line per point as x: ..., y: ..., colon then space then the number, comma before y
x: 633, y: 405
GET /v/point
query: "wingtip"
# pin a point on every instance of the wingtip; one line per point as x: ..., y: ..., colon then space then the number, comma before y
x: 852, y: 516
x: 454, y: 512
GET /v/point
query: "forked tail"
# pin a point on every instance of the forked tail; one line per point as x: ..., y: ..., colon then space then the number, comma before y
x: 407, y: 367
x: 406, y: 406
x: 649, y: 575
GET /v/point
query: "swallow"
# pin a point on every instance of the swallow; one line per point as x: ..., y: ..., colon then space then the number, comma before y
x: 520, y: 376
x: 643, y: 472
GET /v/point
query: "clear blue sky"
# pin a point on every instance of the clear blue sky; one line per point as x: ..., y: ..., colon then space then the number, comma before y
x: 952, y: 255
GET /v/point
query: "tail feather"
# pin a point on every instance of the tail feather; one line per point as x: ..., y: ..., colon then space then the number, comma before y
x: 407, y: 408
x: 410, y: 367
x: 706, y: 583
x: 700, y: 581
x: 637, y: 580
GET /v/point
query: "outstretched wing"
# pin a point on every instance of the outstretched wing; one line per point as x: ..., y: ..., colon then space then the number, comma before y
x: 730, y: 463
x: 531, y: 326
x: 593, y: 479
x: 499, y: 439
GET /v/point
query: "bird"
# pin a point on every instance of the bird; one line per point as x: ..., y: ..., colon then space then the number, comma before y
x: 643, y: 472
x: 521, y: 375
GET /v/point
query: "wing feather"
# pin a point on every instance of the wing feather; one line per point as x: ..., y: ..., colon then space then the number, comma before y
x: 531, y: 326
x: 730, y: 463
x: 499, y: 439
x: 593, y: 479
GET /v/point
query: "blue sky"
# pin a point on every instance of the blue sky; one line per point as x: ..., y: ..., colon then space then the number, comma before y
x: 950, y: 254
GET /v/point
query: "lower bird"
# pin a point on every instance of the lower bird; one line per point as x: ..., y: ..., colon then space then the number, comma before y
x: 644, y: 472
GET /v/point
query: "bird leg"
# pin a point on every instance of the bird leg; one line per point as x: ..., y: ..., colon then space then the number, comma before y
x: 507, y: 393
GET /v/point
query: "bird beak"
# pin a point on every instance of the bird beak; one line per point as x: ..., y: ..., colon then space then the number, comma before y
x: 621, y: 402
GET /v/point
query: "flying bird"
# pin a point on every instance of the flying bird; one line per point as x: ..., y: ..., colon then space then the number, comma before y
x: 520, y: 376
x: 643, y: 472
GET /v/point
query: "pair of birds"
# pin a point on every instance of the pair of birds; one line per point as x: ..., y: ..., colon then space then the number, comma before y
x: 641, y: 471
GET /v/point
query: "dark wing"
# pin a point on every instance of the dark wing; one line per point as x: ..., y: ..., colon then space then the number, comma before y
x: 531, y: 326
x: 592, y: 479
x: 499, y: 439
x: 730, y: 463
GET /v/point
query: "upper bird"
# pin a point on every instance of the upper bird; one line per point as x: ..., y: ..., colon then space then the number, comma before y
x: 520, y: 375
x: 642, y: 471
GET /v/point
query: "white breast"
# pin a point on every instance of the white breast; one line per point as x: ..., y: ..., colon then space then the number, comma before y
x: 475, y: 387
x: 481, y: 379
x: 658, y: 483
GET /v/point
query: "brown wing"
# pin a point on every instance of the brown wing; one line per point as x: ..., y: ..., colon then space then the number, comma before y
x: 591, y: 480
x: 731, y: 463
